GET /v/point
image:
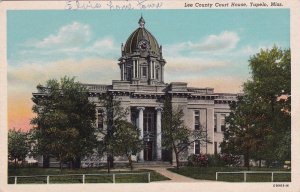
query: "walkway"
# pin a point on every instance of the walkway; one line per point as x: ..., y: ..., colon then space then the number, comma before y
x: 171, y: 175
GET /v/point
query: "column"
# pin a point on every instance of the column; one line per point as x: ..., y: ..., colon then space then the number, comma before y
x: 158, y: 133
x: 141, y: 124
x: 161, y: 74
x: 133, y: 68
x: 210, y: 130
x: 151, y: 69
x: 137, y: 69
x: 123, y: 71
x: 218, y: 122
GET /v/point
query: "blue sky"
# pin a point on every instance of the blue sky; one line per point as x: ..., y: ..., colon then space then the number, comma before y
x: 206, y: 48
x: 253, y: 26
x: 249, y: 30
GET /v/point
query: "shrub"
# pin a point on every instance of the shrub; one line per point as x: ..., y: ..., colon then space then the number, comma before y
x: 198, y: 160
x: 230, y: 159
x: 215, y: 161
x: 219, y: 160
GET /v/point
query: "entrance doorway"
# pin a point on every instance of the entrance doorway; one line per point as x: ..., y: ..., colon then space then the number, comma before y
x: 148, y: 151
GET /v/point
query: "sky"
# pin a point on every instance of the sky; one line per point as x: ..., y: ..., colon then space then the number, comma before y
x: 205, y: 48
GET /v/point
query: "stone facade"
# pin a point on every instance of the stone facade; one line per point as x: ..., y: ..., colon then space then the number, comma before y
x: 142, y: 89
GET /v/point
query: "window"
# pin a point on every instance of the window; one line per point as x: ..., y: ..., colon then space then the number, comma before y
x: 148, y: 121
x: 100, y: 119
x: 223, y: 123
x: 216, y: 148
x: 144, y: 71
x: 215, y: 123
x: 129, y: 73
x: 197, y: 120
x: 197, y: 147
x: 157, y: 71
x: 134, y: 118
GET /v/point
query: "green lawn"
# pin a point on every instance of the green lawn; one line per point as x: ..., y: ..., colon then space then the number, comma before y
x: 58, y: 177
x: 209, y: 173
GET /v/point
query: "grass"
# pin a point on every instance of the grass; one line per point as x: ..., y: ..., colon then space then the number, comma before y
x: 209, y: 173
x: 59, y: 177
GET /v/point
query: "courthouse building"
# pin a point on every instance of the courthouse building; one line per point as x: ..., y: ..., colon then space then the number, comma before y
x: 142, y: 89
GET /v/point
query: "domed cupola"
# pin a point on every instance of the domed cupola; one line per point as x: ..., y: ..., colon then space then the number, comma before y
x: 141, y: 40
x: 141, y: 61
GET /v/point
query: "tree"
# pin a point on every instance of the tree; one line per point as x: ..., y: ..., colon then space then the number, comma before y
x: 260, y: 121
x: 113, y: 115
x: 65, y: 119
x: 176, y: 136
x: 241, y: 136
x: 126, y: 140
x: 271, y: 85
x: 18, y: 147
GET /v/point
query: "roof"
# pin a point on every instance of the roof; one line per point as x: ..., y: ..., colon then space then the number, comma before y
x: 139, y: 34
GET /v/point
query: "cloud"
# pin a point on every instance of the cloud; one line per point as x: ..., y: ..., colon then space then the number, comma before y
x: 74, y: 34
x: 249, y: 50
x: 106, y: 42
x: 73, y: 40
x: 225, y: 41
x: 102, y: 47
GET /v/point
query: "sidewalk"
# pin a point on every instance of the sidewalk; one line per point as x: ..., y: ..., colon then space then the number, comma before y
x: 171, y: 175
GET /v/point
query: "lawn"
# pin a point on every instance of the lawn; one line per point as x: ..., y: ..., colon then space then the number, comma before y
x: 209, y: 173
x: 59, y: 177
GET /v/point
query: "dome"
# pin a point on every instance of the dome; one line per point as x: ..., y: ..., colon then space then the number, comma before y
x: 141, y: 35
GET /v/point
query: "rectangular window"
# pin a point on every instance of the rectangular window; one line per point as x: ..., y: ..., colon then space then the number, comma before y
x: 144, y: 71
x: 157, y: 70
x: 216, y: 148
x: 223, y: 123
x: 100, y: 119
x: 197, y: 147
x: 215, y: 123
x: 148, y: 121
x: 129, y: 73
x: 197, y: 120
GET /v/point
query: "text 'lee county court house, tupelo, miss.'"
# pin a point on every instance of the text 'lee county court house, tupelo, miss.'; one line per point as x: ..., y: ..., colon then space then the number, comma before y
x: 142, y: 90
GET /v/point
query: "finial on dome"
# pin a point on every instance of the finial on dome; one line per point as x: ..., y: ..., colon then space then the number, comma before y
x: 142, y: 22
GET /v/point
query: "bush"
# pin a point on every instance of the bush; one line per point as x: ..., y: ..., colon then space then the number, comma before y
x: 230, y: 159
x: 219, y: 160
x: 198, y: 160
x: 215, y: 161
x: 20, y: 164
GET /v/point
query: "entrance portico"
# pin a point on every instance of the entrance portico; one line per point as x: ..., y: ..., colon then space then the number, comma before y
x: 148, y: 120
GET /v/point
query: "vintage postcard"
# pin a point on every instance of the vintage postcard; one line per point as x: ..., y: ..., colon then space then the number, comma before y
x: 144, y: 95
